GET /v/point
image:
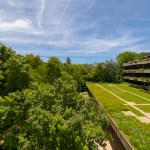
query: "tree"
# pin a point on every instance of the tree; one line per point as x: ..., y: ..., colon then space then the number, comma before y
x: 68, y: 60
x: 67, y: 89
x: 17, y: 75
x: 54, y: 68
x: 110, y: 71
x: 79, y: 73
x: 14, y: 72
x: 97, y: 73
x: 127, y: 56
x: 39, y: 74
x: 106, y: 72
x: 5, y: 53
x: 34, y: 61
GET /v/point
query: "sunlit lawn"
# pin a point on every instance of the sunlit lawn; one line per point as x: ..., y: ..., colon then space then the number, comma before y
x: 138, y: 133
x: 124, y: 94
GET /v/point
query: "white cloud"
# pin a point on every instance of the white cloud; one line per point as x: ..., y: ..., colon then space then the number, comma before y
x: 100, y: 45
x: 78, y: 46
x: 11, y: 2
x: 19, y: 24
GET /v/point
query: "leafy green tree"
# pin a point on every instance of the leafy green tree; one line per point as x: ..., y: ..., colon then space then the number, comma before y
x: 29, y: 119
x: 17, y: 75
x: 5, y: 53
x: 128, y: 56
x: 110, y: 70
x: 39, y: 74
x: 1, y: 75
x: 79, y: 73
x: 106, y: 72
x: 67, y: 89
x: 14, y: 72
x: 54, y: 68
x: 68, y: 60
x: 89, y: 66
x: 34, y: 61
x: 97, y: 73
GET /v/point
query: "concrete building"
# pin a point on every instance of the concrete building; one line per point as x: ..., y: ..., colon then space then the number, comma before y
x: 138, y: 72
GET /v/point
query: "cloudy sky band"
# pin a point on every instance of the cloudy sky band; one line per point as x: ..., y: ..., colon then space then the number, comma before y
x: 76, y: 28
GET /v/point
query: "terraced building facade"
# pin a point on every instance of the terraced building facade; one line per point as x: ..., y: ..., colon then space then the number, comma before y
x: 138, y: 72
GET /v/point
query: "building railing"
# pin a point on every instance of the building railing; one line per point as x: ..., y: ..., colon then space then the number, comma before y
x: 140, y: 79
x: 140, y: 62
x: 142, y: 70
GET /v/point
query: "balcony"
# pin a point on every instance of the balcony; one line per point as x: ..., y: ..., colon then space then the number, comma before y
x: 137, y: 71
x: 140, y: 79
x: 140, y: 62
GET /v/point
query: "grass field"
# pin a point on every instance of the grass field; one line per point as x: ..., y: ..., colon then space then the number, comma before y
x: 116, y: 98
x: 128, y: 93
x: 145, y: 108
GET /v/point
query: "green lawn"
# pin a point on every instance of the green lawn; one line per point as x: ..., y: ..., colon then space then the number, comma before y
x: 137, y: 133
x: 134, y: 90
x: 124, y: 93
x: 145, y: 108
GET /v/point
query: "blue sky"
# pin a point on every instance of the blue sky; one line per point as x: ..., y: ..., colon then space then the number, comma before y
x: 87, y: 31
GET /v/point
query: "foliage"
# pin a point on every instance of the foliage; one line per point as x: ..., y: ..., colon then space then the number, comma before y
x: 89, y: 66
x: 106, y: 72
x: 34, y: 61
x: 97, y: 73
x: 54, y: 67
x: 43, y: 118
x: 128, y: 56
x: 41, y: 108
x: 39, y: 74
x: 111, y: 71
x: 14, y: 72
x: 68, y: 60
x: 79, y: 74
x: 17, y: 76
x: 110, y: 68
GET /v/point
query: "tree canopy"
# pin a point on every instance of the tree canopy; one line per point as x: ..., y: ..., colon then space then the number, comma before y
x: 42, y: 107
x: 128, y: 56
